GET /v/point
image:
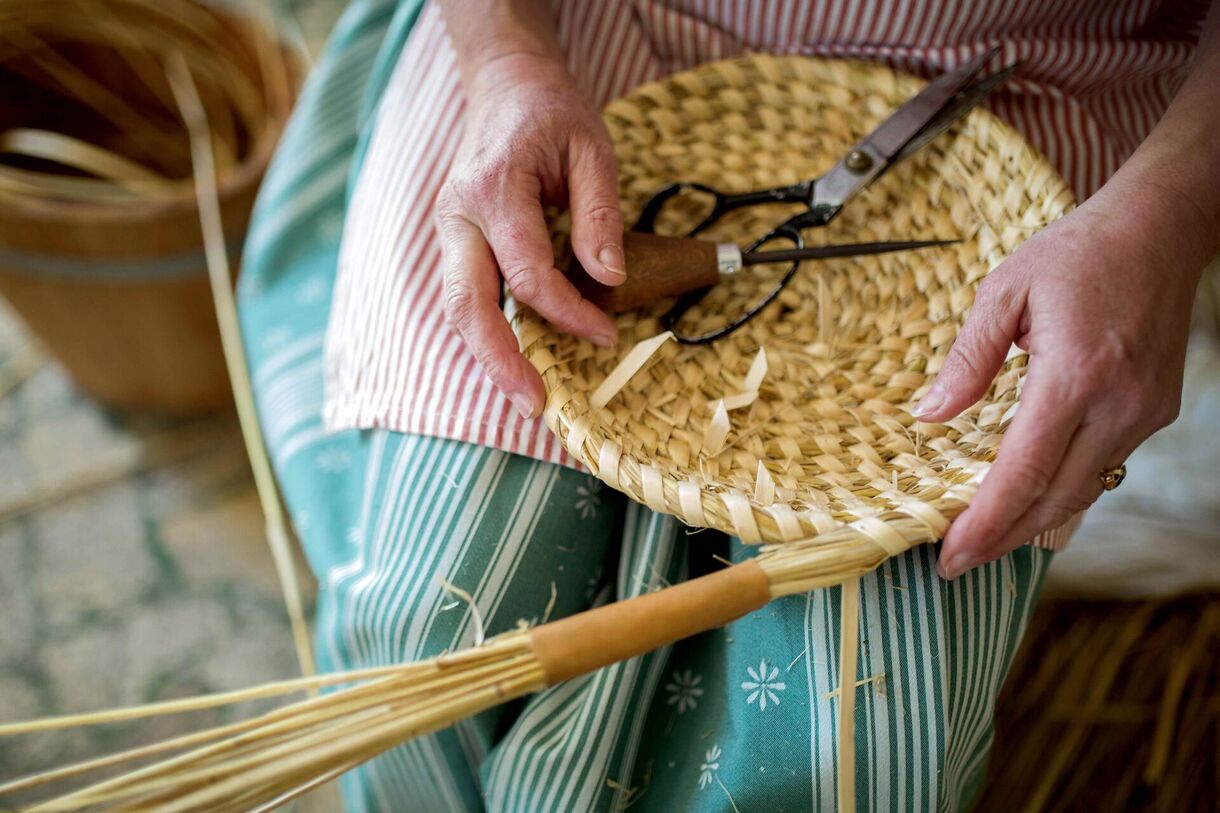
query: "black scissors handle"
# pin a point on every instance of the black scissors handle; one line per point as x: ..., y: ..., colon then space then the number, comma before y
x: 722, y: 202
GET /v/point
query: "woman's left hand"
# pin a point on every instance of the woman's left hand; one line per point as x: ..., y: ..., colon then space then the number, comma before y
x: 1101, y: 300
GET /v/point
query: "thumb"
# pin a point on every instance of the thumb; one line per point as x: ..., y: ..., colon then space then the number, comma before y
x: 597, y: 224
x: 977, y: 352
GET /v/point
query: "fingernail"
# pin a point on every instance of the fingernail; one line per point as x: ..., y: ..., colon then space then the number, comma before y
x: 611, y: 258
x: 952, y: 565
x: 523, y: 404
x: 932, y: 401
x: 605, y: 340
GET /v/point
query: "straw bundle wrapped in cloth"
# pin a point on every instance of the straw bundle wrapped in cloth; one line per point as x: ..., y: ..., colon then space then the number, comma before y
x: 100, y: 247
x: 794, y: 431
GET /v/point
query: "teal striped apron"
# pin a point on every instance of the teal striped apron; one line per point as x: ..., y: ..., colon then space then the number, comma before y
x: 737, y: 719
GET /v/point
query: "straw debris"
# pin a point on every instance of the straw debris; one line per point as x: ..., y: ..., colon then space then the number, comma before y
x: 631, y: 364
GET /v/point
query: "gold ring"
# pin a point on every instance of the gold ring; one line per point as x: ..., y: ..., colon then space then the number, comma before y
x: 1113, y: 478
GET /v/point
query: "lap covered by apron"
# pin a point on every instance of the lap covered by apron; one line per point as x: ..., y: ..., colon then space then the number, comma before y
x: 740, y: 718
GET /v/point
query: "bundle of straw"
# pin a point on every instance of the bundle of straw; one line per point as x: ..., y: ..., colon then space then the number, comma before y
x: 264, y: 762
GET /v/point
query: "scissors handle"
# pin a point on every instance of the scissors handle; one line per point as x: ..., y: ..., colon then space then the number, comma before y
x: 718, y: 203
x: 658, y: 268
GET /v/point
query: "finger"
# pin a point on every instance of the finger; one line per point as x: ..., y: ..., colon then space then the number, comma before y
x: 522, y: 247
x: 472, y: 305
x: 597, y: 223
x: 1029, y: 458
x: 979, y: 349
x: 1098, y: 445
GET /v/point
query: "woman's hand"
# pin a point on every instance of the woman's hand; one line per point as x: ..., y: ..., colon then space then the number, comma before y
x: 532, y: 138
x: 1101, y: 300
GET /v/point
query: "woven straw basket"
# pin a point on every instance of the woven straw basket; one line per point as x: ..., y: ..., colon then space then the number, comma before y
x: 851, y: 344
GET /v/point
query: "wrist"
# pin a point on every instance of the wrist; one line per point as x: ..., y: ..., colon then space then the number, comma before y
x: 488, y: 33
x: 511, y: 67
x: 1158, y: 219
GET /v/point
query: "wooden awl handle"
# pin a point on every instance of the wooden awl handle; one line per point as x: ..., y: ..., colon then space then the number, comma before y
x: 657, y: 268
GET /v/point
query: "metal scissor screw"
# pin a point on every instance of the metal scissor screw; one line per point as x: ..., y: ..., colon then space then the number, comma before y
x: 857, y: 161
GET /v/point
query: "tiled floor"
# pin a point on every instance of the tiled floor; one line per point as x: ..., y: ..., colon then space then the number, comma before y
x: 151, y: 584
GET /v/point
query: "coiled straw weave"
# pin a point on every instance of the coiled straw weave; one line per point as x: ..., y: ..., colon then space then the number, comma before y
x: 850, y: 346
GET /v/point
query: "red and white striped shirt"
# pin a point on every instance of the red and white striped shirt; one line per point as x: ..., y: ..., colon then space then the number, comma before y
x: 1095, y: 77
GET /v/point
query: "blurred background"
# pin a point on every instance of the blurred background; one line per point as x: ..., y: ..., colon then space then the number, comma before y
x: 133, y: 560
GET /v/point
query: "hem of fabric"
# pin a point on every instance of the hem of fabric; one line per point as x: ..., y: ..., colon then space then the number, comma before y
x: 513, y: 436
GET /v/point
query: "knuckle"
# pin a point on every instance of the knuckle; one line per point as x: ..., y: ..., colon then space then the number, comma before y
x: 492, y: 365
x: 602, y: 212
x: 963, y: 355
x: 1103, y: 359
x: 1130, y: 408
x: 477, y: 186
x: 461, y: 303
x: 448, y: 206
x: 603, y: 219
x: 1058, y: 509
x: 523, y: 281
x: 1028, y: 476
x: 513, y: 232
x: 1165, y: 410
x: 1084, y: 377
x: 993, y: 295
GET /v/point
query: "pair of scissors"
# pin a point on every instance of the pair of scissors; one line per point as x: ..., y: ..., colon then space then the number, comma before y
x: 919, y: 120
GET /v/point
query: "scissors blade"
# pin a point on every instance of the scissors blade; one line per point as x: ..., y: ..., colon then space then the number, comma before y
x: 907, y: 121
x: 961, y: 104
x: 873, y: 155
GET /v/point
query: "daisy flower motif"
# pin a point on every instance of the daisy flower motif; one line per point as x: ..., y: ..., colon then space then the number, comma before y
x: 711, y: 764
x: 684, y: 690
x: 762, y: 685
x: 587, y: 499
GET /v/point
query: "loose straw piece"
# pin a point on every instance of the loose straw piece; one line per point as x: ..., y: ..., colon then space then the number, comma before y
x: 195, y: 117
x: 849, y: 629
x: 764, y: 486
x: 629, y: 366
x: 754, y: 379
x: 73, y: 152
x: 476, y: 618
x: 205, y: 701
x: 758, y: 371
x: 717, y: 430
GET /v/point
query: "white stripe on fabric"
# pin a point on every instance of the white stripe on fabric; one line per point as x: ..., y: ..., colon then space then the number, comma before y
x: 661, y: 530
x: 337, y: 575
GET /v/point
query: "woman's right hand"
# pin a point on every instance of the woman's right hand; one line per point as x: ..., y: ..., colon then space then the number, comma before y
x: 532, y: 139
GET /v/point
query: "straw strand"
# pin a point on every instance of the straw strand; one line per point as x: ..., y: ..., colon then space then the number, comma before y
x: 195, y: 118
